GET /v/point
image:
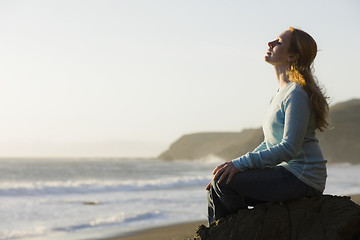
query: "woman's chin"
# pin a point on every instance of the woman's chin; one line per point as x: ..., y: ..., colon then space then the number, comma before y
x: 267, y: 59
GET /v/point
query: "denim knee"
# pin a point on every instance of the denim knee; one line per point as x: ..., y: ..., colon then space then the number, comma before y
x: 229, y: 198
x: 222, y: 187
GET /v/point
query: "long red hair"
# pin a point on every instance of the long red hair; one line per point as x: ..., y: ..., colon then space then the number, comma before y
x: 301, y: 72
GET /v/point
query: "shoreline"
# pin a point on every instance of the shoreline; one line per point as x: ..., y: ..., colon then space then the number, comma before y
x: 179, y: 231
x: 175, y: 231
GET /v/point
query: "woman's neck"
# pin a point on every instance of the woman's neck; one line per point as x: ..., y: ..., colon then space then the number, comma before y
x: 282, y: 78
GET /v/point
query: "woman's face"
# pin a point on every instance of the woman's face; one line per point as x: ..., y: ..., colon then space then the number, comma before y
x: 278, y: 54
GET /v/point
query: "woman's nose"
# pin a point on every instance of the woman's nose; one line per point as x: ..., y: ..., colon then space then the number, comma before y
x: 271, y: 44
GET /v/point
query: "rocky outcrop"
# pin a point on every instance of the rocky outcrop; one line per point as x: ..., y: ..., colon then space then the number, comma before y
x: 220, y: 144
x: 340, y: 142
x: 320, y: 218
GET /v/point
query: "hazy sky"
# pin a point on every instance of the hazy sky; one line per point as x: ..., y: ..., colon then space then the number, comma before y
x: 128, y: 77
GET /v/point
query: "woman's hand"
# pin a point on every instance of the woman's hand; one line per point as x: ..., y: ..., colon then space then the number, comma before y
x: 224, y: 170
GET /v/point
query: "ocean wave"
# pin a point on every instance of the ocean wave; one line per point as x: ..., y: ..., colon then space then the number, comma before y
x: 122, y: 219
x: 98, y: 222
x: 16, y: 234
x: 115, y: 220
x: 95, y: 186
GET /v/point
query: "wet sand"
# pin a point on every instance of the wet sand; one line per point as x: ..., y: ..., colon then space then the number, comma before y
x: 173, y: 232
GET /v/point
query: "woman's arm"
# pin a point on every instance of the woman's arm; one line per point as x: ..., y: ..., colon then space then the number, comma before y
x: 262, y: 146
x: 297, y: 114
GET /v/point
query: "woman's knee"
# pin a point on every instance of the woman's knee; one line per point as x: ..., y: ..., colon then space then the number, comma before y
x: 221, y: 187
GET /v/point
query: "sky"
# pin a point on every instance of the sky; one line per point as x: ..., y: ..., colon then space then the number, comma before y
x: 127, y: 78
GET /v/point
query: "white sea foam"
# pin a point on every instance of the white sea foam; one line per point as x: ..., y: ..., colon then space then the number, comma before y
x: 98, y: 222
x: 121, y: 218
x: 107, y: 220
x: 91, y: 186
x: 18, y: 234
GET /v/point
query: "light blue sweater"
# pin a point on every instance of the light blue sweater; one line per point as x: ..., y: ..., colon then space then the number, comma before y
x: 290, y: 142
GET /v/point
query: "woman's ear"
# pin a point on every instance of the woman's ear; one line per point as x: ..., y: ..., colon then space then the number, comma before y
x: 293, y: 57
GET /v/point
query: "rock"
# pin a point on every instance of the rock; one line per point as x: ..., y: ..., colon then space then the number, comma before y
x: 324, y: 217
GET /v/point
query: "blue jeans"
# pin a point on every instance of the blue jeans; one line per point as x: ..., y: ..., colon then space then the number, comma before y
x: 252, y: 187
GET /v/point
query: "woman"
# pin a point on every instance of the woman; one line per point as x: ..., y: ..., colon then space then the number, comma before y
x: 288, y: 164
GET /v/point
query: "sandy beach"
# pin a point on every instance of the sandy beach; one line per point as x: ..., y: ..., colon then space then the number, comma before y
x: 172, y: 232
x: 356, y: 198
x: 179, y: 231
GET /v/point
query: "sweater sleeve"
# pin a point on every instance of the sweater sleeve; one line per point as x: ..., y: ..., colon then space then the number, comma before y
x: 262, y: 146
x: 297, y: 113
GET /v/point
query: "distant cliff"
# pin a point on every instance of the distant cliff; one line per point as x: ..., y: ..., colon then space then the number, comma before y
x: 340, y: 143
x: 221, y: 144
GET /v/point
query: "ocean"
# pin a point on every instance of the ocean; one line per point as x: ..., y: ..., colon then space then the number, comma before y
x: 77, y: 199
